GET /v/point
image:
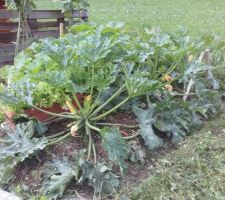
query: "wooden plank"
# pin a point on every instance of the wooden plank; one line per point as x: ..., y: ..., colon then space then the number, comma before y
x: 33, y: 25
x: 44, y: 34
x: 11, y: 36
x: 55, y: 14
x: 44, y: 24
x: 7, y: 37
x: 46, y: 14
x: 8, y: 14
x: 6, y: 59
x: 11, y: 26
x: 42, y: 14
x: 7, y: 49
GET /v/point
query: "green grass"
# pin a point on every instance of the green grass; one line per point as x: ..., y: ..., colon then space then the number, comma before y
x: 199, y: 16
x: 194, y: 171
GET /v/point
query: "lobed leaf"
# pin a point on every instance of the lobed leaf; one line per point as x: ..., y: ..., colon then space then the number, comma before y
x: 115, y: 146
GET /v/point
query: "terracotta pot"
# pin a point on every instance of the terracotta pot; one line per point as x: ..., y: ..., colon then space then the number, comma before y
x: 56, y: 108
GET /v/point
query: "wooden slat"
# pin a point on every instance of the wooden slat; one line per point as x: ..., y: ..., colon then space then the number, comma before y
x: 8, y: 14
x: 11, y: 36
x: 55, y: 14
x: 8, y: 26
x: 33, y: 25
x: 6, y: 59
x: 44, y: 34
x: 46, y: 14
x: 7, y: 49
x: 42, y: 14
x: 7, y: 37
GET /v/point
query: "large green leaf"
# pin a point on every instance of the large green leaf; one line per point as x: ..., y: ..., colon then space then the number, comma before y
x: 99, y: 176
x: 138, y: 85
x: 146, y: 120
x: 15, y: 148
x: 58, y: 176
x: 115, y: 146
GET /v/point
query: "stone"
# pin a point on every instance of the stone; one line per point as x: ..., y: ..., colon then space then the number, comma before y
x: 8, y: 196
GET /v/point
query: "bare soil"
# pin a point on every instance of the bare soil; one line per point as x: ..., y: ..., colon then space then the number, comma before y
x: 31, y: 171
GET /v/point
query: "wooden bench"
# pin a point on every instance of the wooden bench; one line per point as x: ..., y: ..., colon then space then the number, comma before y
x: 43, y: 23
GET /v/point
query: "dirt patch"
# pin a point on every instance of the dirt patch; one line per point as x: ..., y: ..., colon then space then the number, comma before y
x: 32, y: 170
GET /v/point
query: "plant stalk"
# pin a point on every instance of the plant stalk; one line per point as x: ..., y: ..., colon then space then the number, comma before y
x: 108, y: 101
x: 112, y: 110
x: 56, y: 114
x: 88, y: 132
x: 57, y: 135
x: 77, y: 102
x: 60, y: 139
x: 92, y: 127
x: 120, y: 125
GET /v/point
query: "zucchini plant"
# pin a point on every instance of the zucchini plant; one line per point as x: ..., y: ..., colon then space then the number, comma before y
x: 112, y: 70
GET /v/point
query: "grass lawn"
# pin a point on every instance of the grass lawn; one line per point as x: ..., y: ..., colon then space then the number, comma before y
x: 195, y: 171
x: 197, y: 15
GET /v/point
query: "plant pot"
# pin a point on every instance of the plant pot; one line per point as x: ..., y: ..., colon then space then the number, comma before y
x: 56, y: 108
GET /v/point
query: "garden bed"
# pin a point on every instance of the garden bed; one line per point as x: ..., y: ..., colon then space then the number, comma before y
x: 143, y: 96
x: 30, y: 173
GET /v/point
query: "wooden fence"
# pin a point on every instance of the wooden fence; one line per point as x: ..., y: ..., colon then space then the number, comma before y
x: 43, y: 23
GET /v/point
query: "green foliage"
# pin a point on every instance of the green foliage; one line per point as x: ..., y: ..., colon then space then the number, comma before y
x: 15, y: 148
x: 112, y: 70
x: 136, y: 153
x: 115, y: 146
x: 146, y: 120
x: 100, y: 177
x: 58, y: 176
x: 60, y: 173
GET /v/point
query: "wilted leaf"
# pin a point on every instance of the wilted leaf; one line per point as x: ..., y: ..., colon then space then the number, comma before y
x: 115, y: 146
x: 136, y: 153
x: 58, y: 176
x: 100, y: 177
x: 146, y: 120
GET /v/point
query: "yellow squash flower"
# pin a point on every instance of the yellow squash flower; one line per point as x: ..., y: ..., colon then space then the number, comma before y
x: 166, y: 78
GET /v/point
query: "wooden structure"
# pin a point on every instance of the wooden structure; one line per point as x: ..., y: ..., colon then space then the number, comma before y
x: 43, y: 23
x: 2, y: 4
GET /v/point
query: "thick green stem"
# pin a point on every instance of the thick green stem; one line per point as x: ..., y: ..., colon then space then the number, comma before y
x: 92, y: 127
x: 77, y: 102
x: 112, y: 110
x: 56, y: 114
x: 148, y: 99
x: 59, y: 139
x: 52, y: 120
x: 57, y: 135
x: 170, y: 70
x: 121, y: 125
x: 88, y: 132
x: 94, y: 152
x: 108, y: 101
x: 132, y: 136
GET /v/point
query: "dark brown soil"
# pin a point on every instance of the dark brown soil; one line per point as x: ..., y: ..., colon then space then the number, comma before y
x: 31, y: 172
